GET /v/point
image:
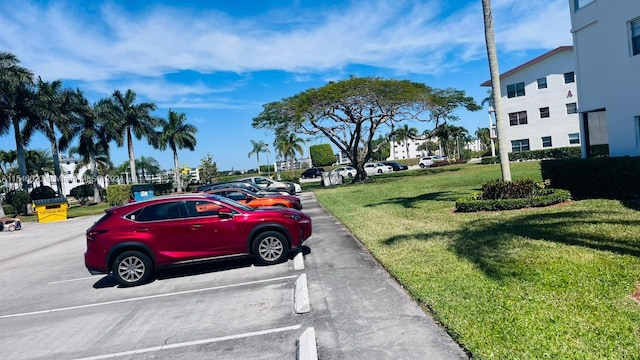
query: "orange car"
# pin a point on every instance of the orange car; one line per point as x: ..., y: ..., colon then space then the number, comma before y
x: 256, y: 200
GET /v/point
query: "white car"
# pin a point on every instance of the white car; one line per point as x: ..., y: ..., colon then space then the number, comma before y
x: 346, y: 171
x: 269, y: 184
x: 426, y: 161
x: 377, y: 168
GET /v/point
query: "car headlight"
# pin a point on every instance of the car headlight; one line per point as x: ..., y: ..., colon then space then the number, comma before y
x: 294, y: 217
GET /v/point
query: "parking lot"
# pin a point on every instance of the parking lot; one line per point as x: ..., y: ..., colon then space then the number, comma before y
x: 51, y: 308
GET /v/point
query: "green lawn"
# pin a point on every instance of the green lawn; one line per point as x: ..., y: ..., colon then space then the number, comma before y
x: 525, y: 284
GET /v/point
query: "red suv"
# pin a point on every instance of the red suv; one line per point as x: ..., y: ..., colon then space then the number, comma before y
x: 135, y: 239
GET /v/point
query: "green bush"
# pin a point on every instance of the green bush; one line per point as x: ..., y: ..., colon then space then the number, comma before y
x: 548, y: 197
x: 163, y: 188
x: 42, y: 192
x: 287, y: 176
x: 519, y: 189
x: 322, y: 155
x: 617, y: 177
x: 82, y: 193
x: 9, y: 210
x: 19, y: 199
x: 118, y: 194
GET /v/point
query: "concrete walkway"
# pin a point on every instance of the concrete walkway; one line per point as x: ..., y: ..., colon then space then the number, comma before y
x: 358, y: 310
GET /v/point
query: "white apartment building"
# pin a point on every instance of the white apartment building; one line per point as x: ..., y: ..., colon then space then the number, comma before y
x: 540, y: 102
x: 606, y: 39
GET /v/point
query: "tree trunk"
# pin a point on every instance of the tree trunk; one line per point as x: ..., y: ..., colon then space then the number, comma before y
x: 132, y: 158
x: 22, y: 163
x: 94, y: 175
x: 175, y: 166
x: 495, y: 86
x: 56, y: 161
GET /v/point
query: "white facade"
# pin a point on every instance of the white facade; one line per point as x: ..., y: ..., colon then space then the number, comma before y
x: 606, y: 37
x: 539, y: 101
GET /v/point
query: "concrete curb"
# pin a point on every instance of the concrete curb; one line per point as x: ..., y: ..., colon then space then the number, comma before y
x: 307, y: 345
x: 298, y: 261
x: 301, y: 295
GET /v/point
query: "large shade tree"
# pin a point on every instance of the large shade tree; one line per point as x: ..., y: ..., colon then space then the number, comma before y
x: 130, y: 119
x: 350, y: 113
x: 177, y: 134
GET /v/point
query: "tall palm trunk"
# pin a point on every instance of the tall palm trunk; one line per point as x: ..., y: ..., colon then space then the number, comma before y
x: 22, y: 163
x: 495, y: 86
x: 56, y: 161
x: 132, y: 158
x: 175, y: 166
x: 94, y: 175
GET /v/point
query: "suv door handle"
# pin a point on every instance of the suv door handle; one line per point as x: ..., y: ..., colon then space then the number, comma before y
x: 196, y: 226
x: 142, y: 229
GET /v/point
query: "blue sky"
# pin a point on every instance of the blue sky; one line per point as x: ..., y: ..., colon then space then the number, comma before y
x: 219, y: 61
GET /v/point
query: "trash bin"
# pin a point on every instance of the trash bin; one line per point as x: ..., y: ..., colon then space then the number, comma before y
x: 49, y: 210
x: 142, y: 191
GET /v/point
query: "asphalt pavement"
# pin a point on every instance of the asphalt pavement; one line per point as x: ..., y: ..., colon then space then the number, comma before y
x: 358, y: 310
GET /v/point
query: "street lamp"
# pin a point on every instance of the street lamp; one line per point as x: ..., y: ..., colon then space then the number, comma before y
x: 267, y: 151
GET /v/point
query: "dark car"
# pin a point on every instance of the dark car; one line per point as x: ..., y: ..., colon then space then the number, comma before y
x: 312, y: 173
x: 396, y: 166
x: 133, y: 240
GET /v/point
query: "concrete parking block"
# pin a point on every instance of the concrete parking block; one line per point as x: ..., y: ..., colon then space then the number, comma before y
x: 298, y: 261
x: 301, y: 295
x: 307, y: 345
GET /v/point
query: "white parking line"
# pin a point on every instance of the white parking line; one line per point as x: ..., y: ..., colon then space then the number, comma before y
x: 192, y: 343
x: 70, y: 280
x: 146, y: 297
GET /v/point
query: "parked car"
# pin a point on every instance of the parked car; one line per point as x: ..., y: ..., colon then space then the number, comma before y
x: 377, y: 168
x: 269, y: 184
x: 132, y: 241
x: 426, y: 161
x: 10, y: 224
x: 312, y: 173
x: 255, y: 200
x: 346, y: 171
x: 243, y: 185
x: 396, y: 166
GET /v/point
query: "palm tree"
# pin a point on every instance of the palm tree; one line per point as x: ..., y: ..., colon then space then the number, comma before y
x: 16, y: 98
x: 128, y: 120
x: 93, y: 135
x: 405, y: 134
x: 147, y: 166
x: 39, y: 163
x: 484, y: 135
x: 54, y: 108
x: 257, y: 148
x: 177, y: 134
x: 288, y: 144
x: 495, y: 88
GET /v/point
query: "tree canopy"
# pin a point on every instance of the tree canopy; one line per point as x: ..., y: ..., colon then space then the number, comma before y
x: 350, y: 113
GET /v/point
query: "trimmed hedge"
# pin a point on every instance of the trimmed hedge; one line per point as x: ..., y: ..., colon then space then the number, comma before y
x: 552, y: 196
x: 617, y: 177
x: 9, y: 210
x: 118, y: 194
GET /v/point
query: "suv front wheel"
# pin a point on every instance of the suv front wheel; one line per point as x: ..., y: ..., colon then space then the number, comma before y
x: 132, y: 268
x: 270, y: 248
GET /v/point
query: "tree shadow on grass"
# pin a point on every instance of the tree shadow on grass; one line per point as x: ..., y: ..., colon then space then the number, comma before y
x: 411, y: 201
x: 492, y: 244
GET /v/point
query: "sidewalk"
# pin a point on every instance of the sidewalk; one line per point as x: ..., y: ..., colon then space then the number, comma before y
x: 358, y: 310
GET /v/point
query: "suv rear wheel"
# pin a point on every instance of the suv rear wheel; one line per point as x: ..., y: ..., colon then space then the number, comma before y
x: 132, y: 268
x: 270, y: 248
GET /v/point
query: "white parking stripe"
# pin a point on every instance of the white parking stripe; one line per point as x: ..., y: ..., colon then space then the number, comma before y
x: 146, y: 297
x: 70, y: 280
x: 192, y: 343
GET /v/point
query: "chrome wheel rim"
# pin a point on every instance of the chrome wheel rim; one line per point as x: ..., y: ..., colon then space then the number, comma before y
x: 131, y: 269
x: 270, y: 248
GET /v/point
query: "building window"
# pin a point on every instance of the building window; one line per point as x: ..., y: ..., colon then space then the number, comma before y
x: 519, y: 145
x: 572, y: 108
x: 579, y: 4
x: 542, y: 83
x: 546, y: 141
x: 574, y: 138
x: 569, y: 77
x: 635, y: 37
x: 515, y: 90
x: 544, y: 112
x: 518, y: 118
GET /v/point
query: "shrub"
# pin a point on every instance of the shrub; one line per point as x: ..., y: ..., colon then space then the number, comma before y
x: 19, y: 199
x: 499, y: 189
x: 546, y: 198
x: 118, y: 194
x: 322, y: 155
x: 9, y: 210
x: 163, y: 188
x: 286, y: 176
x: 82, y: 193
x: 42, y: 192
x: 490, y: 160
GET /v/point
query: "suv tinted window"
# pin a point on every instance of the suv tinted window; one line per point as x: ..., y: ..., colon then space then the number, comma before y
x: 163, y: 211
x: 199, y: 208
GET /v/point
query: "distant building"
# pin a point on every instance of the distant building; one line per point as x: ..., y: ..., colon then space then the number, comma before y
x: 606, y: 38
x: 540, y: 102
